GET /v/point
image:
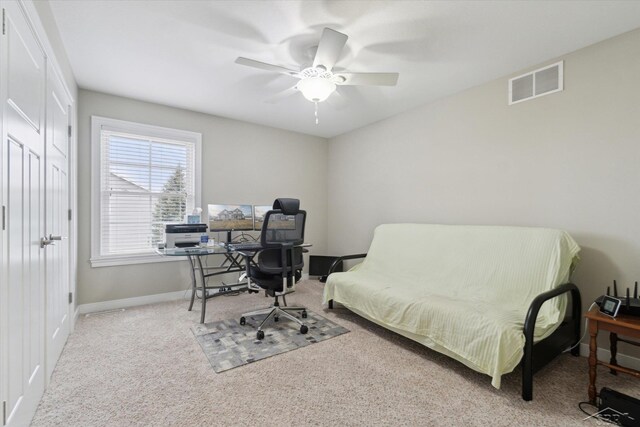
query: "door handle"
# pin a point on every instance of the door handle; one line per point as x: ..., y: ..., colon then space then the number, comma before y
x: 49, y: 241
x: 46, y: 242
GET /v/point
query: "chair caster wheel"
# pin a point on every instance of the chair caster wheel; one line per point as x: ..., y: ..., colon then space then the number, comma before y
x: 304, y: 314
x: 304, y: 329
x: 276, y: 319
x: 243, y: 321
x: 260, y: 335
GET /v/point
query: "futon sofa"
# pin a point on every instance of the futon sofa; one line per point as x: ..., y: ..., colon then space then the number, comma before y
x: 488, y: 296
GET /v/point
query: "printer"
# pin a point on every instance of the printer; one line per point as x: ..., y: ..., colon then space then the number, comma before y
x: 183, y: 235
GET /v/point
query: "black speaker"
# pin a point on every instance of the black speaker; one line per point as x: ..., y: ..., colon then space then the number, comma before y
x: 319, y: 266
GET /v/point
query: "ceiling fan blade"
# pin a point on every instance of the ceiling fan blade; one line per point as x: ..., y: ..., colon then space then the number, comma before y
x: 264, y: 66
x: 329, y: 48
x: 373, y: 79
x: 282, y: 95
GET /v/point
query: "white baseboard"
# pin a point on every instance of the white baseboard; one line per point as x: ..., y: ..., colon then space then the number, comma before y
x: 135, y: 301
x: 604, y: 355
x: 129, y: 302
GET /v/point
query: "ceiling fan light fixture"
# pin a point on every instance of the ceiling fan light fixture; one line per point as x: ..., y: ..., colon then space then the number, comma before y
x: 316, y: 89
x: 317, y: 81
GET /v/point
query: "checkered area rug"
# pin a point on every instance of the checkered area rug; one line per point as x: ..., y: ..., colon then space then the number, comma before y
x: 228, y: 345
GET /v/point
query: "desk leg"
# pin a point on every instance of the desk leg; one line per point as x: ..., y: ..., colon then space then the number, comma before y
x: 593, y: 359
x: 193, y: 281
x: 203, y: 282
x: 613, y: 347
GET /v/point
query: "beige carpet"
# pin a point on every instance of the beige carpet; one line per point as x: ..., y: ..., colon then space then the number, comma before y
x: 144, y: 367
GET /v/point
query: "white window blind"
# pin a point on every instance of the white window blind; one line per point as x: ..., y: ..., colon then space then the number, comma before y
x: 145, y: 181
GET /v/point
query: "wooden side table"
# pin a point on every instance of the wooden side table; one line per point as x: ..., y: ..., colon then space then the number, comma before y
x: 628, y: 326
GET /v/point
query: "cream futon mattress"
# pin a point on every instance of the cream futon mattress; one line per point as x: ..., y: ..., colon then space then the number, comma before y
x: 463, y: 291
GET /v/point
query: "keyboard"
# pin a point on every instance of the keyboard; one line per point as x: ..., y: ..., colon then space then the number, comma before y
x: 245, y: 246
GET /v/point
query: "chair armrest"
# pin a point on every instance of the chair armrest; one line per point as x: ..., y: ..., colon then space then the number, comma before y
x: 343, y: 258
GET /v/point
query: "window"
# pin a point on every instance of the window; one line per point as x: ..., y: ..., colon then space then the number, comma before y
x: 142, y: 178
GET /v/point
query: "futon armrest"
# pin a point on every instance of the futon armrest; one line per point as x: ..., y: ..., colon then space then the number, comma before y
x: 536, y: 304
x: 343, y: 258
x: 559, y: 347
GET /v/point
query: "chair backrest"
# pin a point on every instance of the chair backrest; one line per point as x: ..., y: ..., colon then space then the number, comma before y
x: 283, y: 225
x: 270, y: 262
x: 282, y: 230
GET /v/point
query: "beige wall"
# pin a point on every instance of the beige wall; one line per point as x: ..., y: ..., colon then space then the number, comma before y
x: 569, y: 160
x: 241, y: 163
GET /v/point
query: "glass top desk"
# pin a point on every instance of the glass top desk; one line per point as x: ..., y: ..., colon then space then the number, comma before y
x: 233, y: 262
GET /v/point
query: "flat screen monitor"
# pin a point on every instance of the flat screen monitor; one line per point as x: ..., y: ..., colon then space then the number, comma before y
x: 230, y: 217
x: 259, y: 212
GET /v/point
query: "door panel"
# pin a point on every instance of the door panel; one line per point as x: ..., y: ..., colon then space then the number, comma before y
x: 57, y: 224
x: 34, y: 303
x: 58, y: 113
x: 22, y: 298
x: 26, y: 64
x: 15, y: 273
x: 25, y: 296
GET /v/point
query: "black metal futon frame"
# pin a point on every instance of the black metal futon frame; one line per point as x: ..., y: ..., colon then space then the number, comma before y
x: 536, y: 355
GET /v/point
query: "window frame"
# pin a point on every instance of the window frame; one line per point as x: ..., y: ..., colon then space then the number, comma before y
x: 151, y: 131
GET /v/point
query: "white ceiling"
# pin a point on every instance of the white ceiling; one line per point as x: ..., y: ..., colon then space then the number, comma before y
x: 181, y: 53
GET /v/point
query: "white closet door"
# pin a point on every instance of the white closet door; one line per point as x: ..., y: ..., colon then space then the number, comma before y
x: 22, y: 88
x: 57, y: 222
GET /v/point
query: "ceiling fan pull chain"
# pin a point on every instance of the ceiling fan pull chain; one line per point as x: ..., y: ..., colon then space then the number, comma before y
x: 316, y: 111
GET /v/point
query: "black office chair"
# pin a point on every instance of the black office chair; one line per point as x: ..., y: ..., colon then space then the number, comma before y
x: 279, y: 263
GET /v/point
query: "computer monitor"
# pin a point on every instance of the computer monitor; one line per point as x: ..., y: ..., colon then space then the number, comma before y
x: 230, y: 218
x: 277, y: 222
x: 259, y: 212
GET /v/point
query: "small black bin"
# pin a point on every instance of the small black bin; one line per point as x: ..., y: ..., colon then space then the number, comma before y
x: 319, y: 266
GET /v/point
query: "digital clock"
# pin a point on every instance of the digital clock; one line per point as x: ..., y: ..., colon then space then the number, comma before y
x: 610, y: 306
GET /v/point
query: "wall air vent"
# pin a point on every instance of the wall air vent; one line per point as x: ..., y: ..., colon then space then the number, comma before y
x: 536, y: 83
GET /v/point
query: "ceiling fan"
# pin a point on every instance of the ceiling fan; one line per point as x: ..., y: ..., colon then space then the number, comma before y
x: 318, y: 82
